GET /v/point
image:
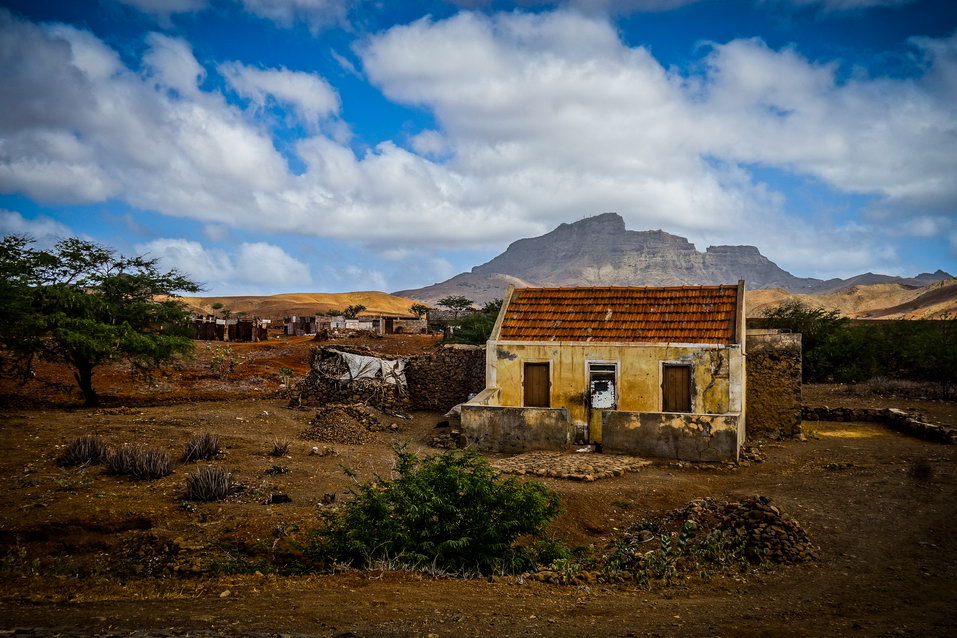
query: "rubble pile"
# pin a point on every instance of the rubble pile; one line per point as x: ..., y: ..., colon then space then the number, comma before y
x: 572, y: 466
x: 445, y: 440
x: 337, y: 423
x: 765, y: 531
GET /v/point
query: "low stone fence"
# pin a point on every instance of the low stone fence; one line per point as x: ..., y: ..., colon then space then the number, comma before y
x: 688, y: 437
x: 896, y: 419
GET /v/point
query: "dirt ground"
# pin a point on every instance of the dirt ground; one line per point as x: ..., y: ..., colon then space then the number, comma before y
x: 96, y: 553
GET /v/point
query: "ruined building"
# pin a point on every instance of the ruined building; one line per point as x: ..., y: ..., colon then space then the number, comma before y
x: 656, y: 372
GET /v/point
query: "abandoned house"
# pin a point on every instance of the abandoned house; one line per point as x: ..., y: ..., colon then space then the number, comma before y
x: 383, y: 325
x: 657, y: 372
x: 209, y: 328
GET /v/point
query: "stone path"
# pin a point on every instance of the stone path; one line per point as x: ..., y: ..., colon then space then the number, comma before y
x: 575, y: 466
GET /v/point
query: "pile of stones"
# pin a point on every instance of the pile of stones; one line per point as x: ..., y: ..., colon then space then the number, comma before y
x: 767, y: 533
x: 574, y: 466
x: 338, y: 423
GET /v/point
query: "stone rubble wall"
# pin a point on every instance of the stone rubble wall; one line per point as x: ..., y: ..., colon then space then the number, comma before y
x: 436, y: 380
x: 445, y: 377
x: 896, y: 419
x: 773, y: 400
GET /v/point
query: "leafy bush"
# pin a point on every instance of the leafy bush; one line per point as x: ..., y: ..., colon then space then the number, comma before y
x: 223, y: 363
x: 84, y: 450
x: 679, y: 555
x: 835, y: 350
x: 452, y: 511
x: 209, y: 483
x: 138, y: 461
x: 204, y: 446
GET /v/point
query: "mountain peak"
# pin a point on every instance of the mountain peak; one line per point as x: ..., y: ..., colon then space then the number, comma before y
x: 603, y: 223
x: 600, y: 251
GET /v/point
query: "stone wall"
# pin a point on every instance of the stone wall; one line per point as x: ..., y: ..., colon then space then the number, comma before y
x: 436, y: 380
x: 689, y: 437
x: 446, y: 377
x: 773, y: 383
x: 897, y: 419
x: 514, y: 430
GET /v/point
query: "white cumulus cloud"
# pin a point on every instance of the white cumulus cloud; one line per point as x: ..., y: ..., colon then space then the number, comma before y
x: 540, y: 118
x: 42, y: 229
x: 249, y: 265
x: 309, y: 95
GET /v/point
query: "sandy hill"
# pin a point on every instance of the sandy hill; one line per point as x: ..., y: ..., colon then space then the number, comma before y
x: 300, y: 303
x: 874, y: 301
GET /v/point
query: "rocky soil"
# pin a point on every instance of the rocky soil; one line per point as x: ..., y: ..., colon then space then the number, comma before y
x: 86, y: 553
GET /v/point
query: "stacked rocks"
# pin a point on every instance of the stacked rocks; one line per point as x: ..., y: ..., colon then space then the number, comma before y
x: 445, y: 377
x: 766, y: 532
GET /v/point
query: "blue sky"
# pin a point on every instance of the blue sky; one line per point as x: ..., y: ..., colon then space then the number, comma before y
x: 266, y: 146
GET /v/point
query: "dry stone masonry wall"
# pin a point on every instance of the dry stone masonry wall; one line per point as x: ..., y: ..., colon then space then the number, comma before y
x: 773, y: 384
x: 435, y: 380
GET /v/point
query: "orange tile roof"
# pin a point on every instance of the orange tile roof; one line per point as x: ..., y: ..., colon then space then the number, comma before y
x: 678, y: 314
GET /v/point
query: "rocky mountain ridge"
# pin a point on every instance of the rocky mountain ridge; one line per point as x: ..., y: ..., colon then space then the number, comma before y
x: 600, y: 251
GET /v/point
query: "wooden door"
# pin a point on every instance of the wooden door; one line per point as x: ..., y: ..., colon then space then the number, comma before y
x: 676, y: 389
x: 537, y: 385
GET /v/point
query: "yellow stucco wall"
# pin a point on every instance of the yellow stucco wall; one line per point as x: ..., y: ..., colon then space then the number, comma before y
x: 717, y: 374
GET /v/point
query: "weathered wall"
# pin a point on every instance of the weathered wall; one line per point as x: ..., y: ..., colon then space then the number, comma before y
x: 435, y: 381
x: 446, y: 377
x: 689, y: 437
x: 639, y: 374
x: 515, y: 430
x: 774, y: 383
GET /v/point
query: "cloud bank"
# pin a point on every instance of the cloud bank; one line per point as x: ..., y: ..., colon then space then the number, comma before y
x: 542, y: 118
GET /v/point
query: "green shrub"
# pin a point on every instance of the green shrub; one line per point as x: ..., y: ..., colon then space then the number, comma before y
x: 453, y: 511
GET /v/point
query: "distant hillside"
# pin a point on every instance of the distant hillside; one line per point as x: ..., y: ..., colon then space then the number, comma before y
x: 278, y: 306
x: 600, y: 251
x: 875, y: 301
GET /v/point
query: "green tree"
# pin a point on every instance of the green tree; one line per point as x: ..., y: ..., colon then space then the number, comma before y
x: 419, y: 309
x: 821, y: 332
x: 477, y: 327
x: 351, y: 312
x: 455, y: 303
x: 453, y: 510
x: 82, y: 305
